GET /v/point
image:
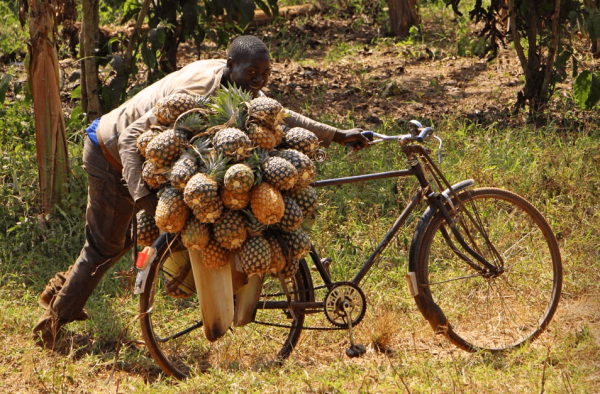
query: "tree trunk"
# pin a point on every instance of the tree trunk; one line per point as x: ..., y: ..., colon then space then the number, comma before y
x: 50, y: 134
x: 90, y: 102
x: 403, y: 15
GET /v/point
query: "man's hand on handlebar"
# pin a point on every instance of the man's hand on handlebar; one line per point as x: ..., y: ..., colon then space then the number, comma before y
x: 353, y: 138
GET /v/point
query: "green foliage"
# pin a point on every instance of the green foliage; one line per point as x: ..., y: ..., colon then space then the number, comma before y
x: 12, y: 36
x: 586, y: 89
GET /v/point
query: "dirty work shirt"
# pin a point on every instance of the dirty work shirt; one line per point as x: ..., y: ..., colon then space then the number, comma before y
x: 120, y: 128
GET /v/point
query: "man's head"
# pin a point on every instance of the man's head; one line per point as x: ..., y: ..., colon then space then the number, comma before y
x: 248, y: 64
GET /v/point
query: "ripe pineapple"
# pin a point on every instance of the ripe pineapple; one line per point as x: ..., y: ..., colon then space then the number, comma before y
x: 195, y: 235
x: 144, y: 139
x: 256, y: 253
x: 277, y: 171
x: 168, y: 109
x: 171, y: 211
x: 307, y: 198
x: 303, y: 164
x: 165, y: 148
x: 267, y: 203
x: 266, y: 111
x: 153, y: 176
x: 290, y: 268
x: 262, y: 136
x: 147, y: 232
x: 302, y: 140
x: 209, y: 213
x: 232, y: 143
x: 230, y: 231
x: 277, y: 256
x: 214, y: 255
x: 239, y: 178
x: 292, y: 216
x: 184, y: 168
x: 202, y: 189
x: 297, y: 243
x: 234, y: 200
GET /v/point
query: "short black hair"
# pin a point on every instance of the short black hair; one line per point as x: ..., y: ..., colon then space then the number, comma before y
x: 247, y: 47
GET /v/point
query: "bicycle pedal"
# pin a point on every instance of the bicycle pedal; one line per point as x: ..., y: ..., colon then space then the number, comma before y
x: 355, y: 351
x: 326, y: 263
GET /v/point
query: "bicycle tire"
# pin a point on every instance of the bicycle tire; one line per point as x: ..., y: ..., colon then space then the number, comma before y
x: 163, y: 316
x: 480, y: 313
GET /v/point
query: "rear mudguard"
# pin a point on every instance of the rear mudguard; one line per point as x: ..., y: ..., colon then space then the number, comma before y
x: 428, y: 308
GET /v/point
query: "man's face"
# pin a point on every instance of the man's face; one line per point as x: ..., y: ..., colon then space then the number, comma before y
x: 250, y: 74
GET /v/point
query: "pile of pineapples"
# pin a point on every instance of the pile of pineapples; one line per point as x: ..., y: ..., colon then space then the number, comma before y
x: 231, y: 181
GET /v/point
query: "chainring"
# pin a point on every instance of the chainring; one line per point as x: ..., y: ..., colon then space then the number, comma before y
x: 349, y: 295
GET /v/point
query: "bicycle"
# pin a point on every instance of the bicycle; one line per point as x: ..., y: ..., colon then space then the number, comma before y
x: 484, y: 270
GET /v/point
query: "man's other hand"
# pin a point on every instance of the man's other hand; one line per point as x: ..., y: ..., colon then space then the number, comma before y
x: 148, y: 203
x: 352, y: 137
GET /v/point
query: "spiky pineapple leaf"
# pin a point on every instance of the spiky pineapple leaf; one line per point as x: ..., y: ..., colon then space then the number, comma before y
x: 225, y: 103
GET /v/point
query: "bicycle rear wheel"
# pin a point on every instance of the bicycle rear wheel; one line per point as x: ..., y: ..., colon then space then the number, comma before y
x: 172, y: 327
x: 488, y: 312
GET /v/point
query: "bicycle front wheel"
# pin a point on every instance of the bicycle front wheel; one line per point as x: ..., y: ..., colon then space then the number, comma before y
x: 172, y: 326
x: 492, y: 312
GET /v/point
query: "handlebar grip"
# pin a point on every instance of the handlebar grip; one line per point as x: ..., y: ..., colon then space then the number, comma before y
x: 424, y: 133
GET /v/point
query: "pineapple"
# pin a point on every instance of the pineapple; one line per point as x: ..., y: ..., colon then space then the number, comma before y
x: 256, y: 253
x: 209, y: 213
x: 153, y: 176
x: 214, y: 255
x: 290, y: 268
x: 301, y: 140
x: 171, y: 211
x: 292, y: 216
x: 184, y: 168
x: 165, y: 148
x: 307, y: 198
x: 195, y: 235
x: 168, y: 109
x: 230, y: 231
x: 239, y: 178
x: 262, y: 136
x: 234, y: 200
x: 277, y: 171
x: 303, y: 164
x: 144, y: 139
x: 297, y: 243
x: 202, y: 189
x: 277, y: 256
x: 147, y: 232
x: 267, y: 203
x: 266, y: 111
x: 232, y: 143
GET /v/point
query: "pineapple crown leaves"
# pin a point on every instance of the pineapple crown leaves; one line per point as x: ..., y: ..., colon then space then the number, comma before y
x: 193, y: 121
x: 228, y: 106
x: 215, y: 166
x: 200, y: 145
x: 253, y: 161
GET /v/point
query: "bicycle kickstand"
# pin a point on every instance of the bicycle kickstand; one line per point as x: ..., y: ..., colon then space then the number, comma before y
x: 354, y: 350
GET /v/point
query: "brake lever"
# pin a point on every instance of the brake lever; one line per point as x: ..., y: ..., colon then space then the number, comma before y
x: 439, y: 148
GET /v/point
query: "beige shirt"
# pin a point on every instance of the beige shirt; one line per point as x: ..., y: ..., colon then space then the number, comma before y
x: 120, y: 128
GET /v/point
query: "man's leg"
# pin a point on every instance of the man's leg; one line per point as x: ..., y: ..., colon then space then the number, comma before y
x: 108, y: 214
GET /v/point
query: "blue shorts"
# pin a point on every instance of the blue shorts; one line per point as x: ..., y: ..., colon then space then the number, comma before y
x: 91, y: 132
